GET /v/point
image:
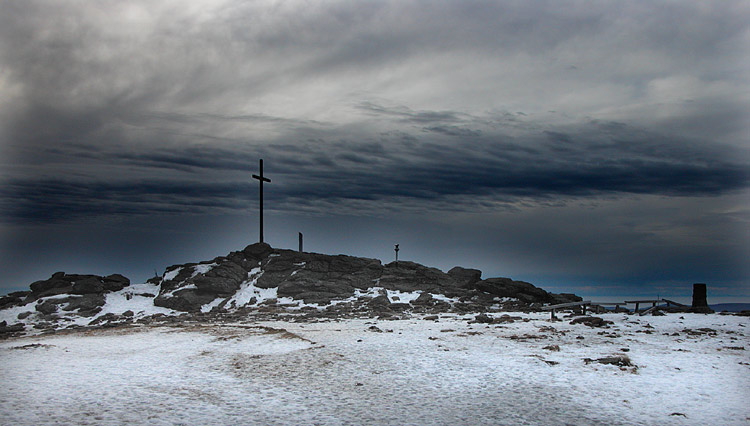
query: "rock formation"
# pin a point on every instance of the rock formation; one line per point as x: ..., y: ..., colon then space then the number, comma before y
x: 320, y: 279
x: 261, y: 280
x: 77, y: 292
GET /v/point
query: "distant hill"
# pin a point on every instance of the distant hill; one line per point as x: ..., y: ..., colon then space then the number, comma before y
x: 731, y: 307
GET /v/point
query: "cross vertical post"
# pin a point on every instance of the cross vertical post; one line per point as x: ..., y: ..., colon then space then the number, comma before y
x: 261, y: 179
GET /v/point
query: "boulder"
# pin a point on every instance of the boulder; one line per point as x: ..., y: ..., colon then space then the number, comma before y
x: 48, y: 306
x: 85, y: 303
x: 334, y: 277
x: 115, y: 282
x: 316, y: 297
x: 6, y: 329
x: 564, y: 298
x: 486, y: 319
x: 379, y: 303
x: 17, y: 298
x: 618, y: 360
x: 483, y: 319
x: 506, y: 287
x: 592, y: 321
x: 465, y: 277
x: 186, y: 300
x: 298, y: 285
x: 46, y: 285
x: 257, y: 251
x: 225, y: 278
x: 62, y: 283
x: 424, y: 299
x: 410, y: 276
x: 88, y: 285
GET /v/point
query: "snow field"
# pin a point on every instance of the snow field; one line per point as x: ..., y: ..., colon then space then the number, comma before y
x: 411, y: 372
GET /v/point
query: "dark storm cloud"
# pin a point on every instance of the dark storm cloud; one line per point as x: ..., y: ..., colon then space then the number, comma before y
x: 147, y: 108
x: 61, y: 200
x: 202, y: 177
x: 454, y: 131
x: 408, y: 115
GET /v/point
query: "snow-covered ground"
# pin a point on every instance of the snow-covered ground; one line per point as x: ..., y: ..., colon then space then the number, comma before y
x: 404, y: 372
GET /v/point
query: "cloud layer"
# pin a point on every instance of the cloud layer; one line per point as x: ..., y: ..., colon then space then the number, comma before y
x: 112, y: 110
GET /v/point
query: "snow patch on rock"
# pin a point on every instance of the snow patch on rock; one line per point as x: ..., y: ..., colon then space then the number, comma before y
x: 248, y: 291
x: 202, y: 268
x: 170, y: 275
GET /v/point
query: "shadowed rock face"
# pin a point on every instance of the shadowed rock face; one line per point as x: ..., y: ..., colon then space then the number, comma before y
x: 318, y: 278
x: 465, y: 277
x: 62, y: 283
x: 506, y: 287
x: 260, y: 275
x: 85, y: 294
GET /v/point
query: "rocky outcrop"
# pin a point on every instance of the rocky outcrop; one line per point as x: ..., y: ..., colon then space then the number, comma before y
x: 56, y: 300
x: 10, y: 330
x: 465, y: 277
x: 261, y: 271
x: 261, y: 280
x: 318, y: 278
x: 62, y: 283
x: 506, y: 287
x: 86, y: 305
x: 13, y: 299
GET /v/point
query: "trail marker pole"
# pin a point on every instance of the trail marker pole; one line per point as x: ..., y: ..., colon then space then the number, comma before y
x: 261, y: 179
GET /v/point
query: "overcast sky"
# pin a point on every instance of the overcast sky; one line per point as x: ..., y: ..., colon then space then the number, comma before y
x: 594, y: 147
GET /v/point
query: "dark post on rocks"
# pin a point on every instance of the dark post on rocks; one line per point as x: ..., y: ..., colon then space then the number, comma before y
x: 700, y: 303
x: 699, y: 296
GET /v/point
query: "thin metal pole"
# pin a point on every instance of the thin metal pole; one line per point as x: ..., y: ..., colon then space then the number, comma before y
x: 261, y: 178
x: 261, y: 200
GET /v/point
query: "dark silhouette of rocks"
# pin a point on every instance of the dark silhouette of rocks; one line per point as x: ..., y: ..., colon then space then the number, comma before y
x: 465, y: 277
x: 82, y: 295
x: 592, y: 321
x: 10, y: 330
x: 319, y: 279
x: 13, y: 299
x: 261, y: 280
x: 75, y: 285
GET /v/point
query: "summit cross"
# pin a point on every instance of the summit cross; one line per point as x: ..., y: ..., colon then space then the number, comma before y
x: 261, y: 179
